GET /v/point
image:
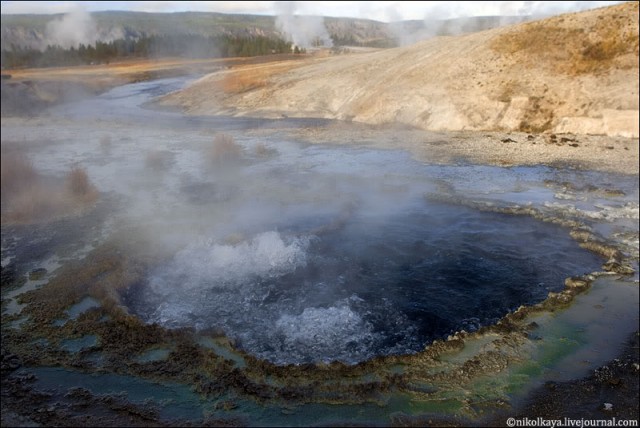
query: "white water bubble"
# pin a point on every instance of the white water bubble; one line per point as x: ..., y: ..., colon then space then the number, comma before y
x: 209, y: 264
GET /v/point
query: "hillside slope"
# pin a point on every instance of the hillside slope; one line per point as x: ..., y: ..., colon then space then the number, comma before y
x: 32, y: 31
x: 574, y: 73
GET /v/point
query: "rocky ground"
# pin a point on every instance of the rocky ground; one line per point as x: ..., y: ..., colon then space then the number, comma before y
x: 491, y: 98
x: 27, y: 92
x: 533, y: 93
x: 610, y: 391
x: 593, y: 152
x: 534, y: 77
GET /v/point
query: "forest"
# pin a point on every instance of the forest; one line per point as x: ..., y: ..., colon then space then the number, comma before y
x: 155, y: 46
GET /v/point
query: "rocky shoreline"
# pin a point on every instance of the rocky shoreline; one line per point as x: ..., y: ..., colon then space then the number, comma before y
x: 581, y: 152
x: 108, y: 271
x: 121, y: 263
x: 610, y: 391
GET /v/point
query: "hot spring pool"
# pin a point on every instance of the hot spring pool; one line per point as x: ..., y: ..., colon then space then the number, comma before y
x: 372, y: 285
x: 302, y: 253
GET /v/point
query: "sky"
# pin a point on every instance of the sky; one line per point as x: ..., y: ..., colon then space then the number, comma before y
x: 386, y: 11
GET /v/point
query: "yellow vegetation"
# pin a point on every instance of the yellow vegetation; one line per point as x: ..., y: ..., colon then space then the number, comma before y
x: 17, y: 172
x: 577, y: 46
x: 78, y: 184
x: 224, y: 150
x: 249, y: 77
x: 28, y: 197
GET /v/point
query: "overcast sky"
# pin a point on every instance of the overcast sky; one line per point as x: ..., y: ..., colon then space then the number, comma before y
x: 378, y: 10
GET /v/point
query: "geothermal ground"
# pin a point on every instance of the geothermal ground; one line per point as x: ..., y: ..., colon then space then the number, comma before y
x: 574, y: 73
x: 232, y: 265
x: 220, y: 270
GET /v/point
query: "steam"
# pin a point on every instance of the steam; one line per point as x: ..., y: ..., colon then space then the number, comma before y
x: 72, y: 29
x: 302, y: 31
x: 444, y: 19
x: 300, y: 254
x: 210, y: 264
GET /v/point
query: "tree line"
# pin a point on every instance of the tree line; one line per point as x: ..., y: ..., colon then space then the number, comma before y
x: 182, y: 45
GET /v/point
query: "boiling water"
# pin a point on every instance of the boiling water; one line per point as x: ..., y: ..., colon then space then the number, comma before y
x: 306, y: 253
x: 376, y: 285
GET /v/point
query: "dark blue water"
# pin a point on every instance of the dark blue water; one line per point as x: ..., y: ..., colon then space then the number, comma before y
x: 421, y: 276
x: 372, y: 285
x: 322, y: 253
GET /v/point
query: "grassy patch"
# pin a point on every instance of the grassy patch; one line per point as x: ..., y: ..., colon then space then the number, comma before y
x: 577, y: 44
x: 78, y: 182
x: 28, y: 197
x: 254, y: 76
x: 224, y: 150
x: 242, y: 81
x: 17, y: 173
x: 263, y: 151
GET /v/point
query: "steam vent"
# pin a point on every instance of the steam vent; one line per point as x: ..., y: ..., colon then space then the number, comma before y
x: 369, y: 224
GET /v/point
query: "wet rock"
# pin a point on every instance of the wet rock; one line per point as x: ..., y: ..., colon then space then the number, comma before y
x: 604, y: 249
x: 603, y: 374
x: 9, y: 362
x: 576, y: 283
x: 616, y: 265
x: 532, y: 325
x: 226, y: 405
x: 615, y: 381
x: 79, y: 393
x: 613, y: 192
x: 37, y: 274
x: 7, y: 275
x: 13, y: 419
x: 439, y: 347
x: 559, y: 298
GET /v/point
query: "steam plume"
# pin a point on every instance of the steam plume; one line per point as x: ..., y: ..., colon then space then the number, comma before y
x: 302, y: 31
x: 73, y: 28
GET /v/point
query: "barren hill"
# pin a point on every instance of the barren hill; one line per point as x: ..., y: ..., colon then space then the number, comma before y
x: 575, y: 73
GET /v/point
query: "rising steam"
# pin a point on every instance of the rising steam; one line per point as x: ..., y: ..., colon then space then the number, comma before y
x: 73, y: 28
x: 302, y: 31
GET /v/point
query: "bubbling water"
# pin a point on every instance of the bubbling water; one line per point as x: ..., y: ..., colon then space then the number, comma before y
x: 307, y: 253
x: 376, y: 285
x: 210, y: 264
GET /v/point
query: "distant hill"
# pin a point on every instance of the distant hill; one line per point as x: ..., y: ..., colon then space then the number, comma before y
x: 38, y: 31
x: 573, y: 73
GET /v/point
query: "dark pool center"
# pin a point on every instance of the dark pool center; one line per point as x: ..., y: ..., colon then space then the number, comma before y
x: 386, y: 280
x: 323, y: 252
